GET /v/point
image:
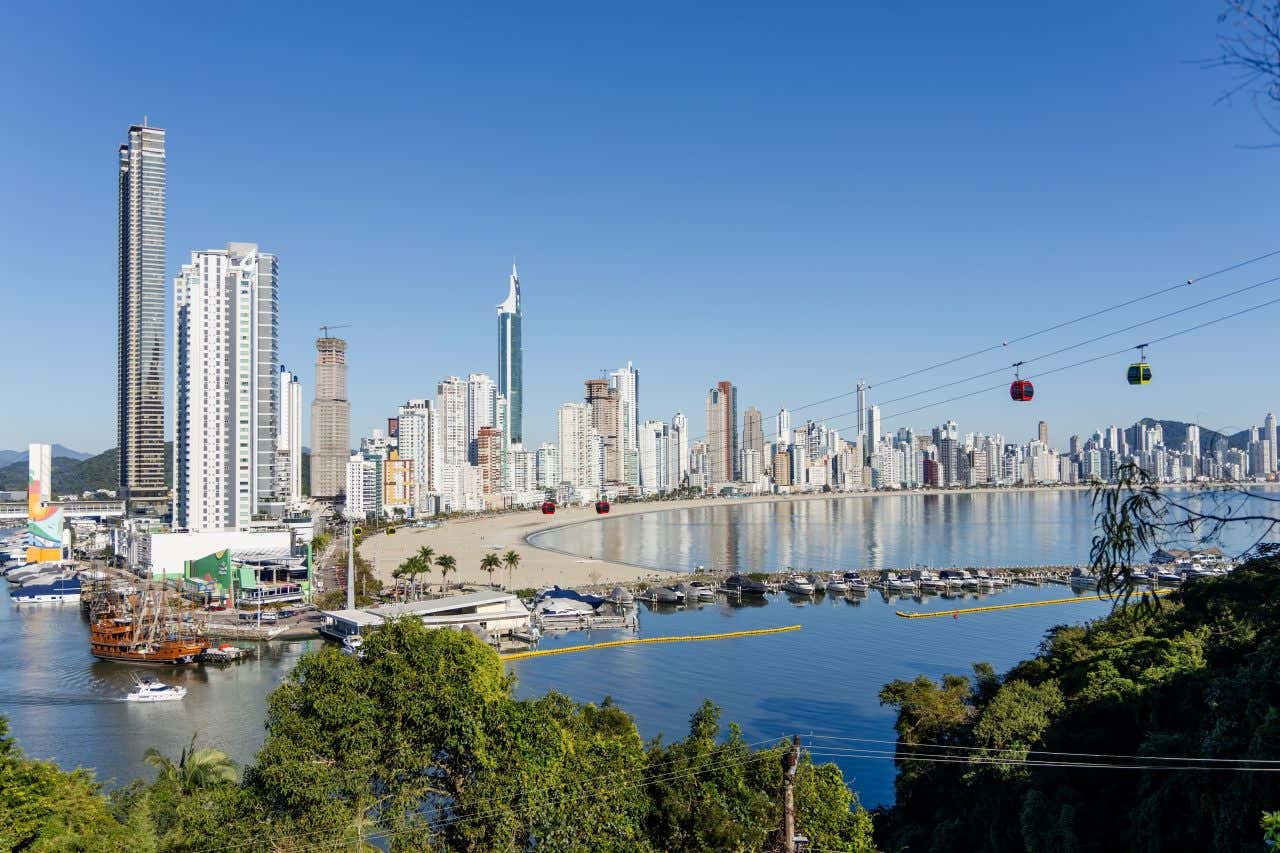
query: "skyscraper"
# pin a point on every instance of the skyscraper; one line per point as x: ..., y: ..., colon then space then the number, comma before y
x: 579, y: 449
x: 482, y: 410
x: 863, y: 447
x: 722, y: 431
x: 227, y: 404
x: 783, y: 429
x: 679, y: 456
x: 141, y: 327
x: 289, y: 439
x: 511, y: 360
x: 330, y: 420
x: 1044, y: 433
x: 418, y: 441
x: 451, y: 417
x: 626, y: 380
x: 603, y: 401
x: 753, y: 432
x: 1269, y: 434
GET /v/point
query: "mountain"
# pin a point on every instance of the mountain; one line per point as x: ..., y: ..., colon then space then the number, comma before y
x: 8, y: 457
x: 73, y: 476
x: 1175, y: 435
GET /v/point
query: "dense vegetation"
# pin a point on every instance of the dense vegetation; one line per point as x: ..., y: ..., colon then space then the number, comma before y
x: 74, y: 477
x: 422, y: 745
x: 1197, y: 678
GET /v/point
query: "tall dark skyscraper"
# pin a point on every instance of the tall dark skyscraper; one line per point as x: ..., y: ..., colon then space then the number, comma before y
x: 141, y: 328
x: 511, y: 359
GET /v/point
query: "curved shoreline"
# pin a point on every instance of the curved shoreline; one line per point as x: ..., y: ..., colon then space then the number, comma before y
x: 468, y: 540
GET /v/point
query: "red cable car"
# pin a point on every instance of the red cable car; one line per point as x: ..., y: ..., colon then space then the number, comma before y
x: 548, y: 507
x: 602, y: 507
x: 1021, y: 390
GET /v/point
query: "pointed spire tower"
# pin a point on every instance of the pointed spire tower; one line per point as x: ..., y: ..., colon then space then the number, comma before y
x: 511, y: 359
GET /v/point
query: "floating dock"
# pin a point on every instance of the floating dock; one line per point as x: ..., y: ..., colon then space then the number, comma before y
x: 992, y: 607
x: 761, y: 632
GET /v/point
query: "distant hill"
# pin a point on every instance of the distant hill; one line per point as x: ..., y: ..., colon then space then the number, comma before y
x: 1175, y: 435
x: 73, y: 476
x: 8, y: 457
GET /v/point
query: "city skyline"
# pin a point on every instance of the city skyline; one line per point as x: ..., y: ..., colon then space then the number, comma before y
x: 970, y: 228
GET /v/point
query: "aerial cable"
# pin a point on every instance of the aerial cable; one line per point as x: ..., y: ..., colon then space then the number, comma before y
x: 1028, y: 336
x: 944, y: 746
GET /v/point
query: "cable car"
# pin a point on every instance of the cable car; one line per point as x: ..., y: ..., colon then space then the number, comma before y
x: 357, y: 532
x: 548, y: 507
x: 1021, y: 390
x: 1140, y: 370
x: 602, y: 507
x: 390, y: 531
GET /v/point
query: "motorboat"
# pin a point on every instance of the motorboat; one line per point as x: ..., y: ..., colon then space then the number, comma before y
x: 970, y: 580
x: 620, y: 595
x: 985, y: 580
x: 900, y: 584
x: 562, y: 608
x: 836, y: 585
x: 353, y: 644
x: 668, y: 595
x: 1079, y: 577
x: 571, y: 594
x: 951, y: 577
x: 687, y: 592
x: 926, y: 579
x: 798, y: 584
x: 742, y: 585
x: 704, y: 590
x: 856, y: 583
x: 1168, y: 577
x: 151, y: 690
x: 226, y: 653
x: 46, y: 590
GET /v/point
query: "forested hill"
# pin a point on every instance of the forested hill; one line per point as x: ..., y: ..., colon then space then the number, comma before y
x: 1175, y: 435
x: 72, y: 476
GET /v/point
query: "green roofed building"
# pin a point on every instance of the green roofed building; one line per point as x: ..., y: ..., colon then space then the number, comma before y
x: 258, y: 577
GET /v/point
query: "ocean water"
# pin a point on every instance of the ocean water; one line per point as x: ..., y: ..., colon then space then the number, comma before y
x: 823, y: 679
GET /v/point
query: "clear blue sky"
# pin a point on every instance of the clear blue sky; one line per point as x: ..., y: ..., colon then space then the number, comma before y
x: 785, y: 197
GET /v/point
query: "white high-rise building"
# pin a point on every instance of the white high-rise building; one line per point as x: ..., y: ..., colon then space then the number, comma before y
x: 783, y: 427
x: 289, y: 440
x: 419, y: 441
x: 1269, y: 434
x: 655, y: 462
x: 679, y: 456
x: 873, y: 425
x: 227, y: 402
x: 451, y: 419
x: 627, y: 382
x: 364, y: 487
x: 482, y: 409
x: 579, y: 448
x: 548, y: 466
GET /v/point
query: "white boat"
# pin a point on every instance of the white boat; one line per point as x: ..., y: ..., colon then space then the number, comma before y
x: 1168, y: 577
x: 562, y: 609
x: 705, y: 591
x: 1080, y: 577
x: 621, y: 596
x: 985, y: 580
x: 150, y: 690
x: 836, y: 585
x: 798, y: 584
x: 856, y: 583
x: 352, y: 644
x: 928, y: 580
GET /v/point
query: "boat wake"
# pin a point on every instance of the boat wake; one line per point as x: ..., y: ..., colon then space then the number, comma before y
x: 56, y: 700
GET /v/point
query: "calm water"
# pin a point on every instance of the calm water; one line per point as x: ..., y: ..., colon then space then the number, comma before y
x: 64, y: 704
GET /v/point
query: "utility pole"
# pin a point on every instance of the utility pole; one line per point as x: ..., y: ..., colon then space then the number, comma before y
x: 351, y: 566
x: 790, y: 759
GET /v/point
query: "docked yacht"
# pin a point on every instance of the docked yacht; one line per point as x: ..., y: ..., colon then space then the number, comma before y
x: 927, y: 580
x: 951, y: 578
x: 1168, y: 577
x: 798, y: 584
x: 704, y: 590
x: 620, y: 596
x: 551, y: 609
x: 1079, y: 577
x: 352, y: 644
x: 45, y: 589
x: 742, y: 585
x: 837, y: 585
x: 150, y: 690
x: 985, y: 580
x: 856, y: 583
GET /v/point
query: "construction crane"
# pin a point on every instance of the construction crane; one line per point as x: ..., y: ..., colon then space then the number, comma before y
x: 324, y: 330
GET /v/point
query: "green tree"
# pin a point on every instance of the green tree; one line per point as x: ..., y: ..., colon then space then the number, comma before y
x: 45, y: 808
x: 446, y: 564
x: 490, y: 563
x: 512, y: 561
x: 195, y: 769
x: 426, y: 556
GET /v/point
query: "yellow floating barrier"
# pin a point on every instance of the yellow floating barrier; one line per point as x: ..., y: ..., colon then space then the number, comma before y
x: 640, y: 642
x: 991, y: 607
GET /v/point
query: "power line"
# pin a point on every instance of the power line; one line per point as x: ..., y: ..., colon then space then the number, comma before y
x: 1037, y: 333
x: 970, y: 760
x: 943, y: 746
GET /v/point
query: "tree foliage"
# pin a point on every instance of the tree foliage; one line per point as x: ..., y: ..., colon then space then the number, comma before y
x: 1197, y: 679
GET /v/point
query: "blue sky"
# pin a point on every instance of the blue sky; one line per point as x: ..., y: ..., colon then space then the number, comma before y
x: 786, y: 197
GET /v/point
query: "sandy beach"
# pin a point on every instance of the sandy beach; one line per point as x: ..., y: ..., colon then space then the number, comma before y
x: 469, y: 539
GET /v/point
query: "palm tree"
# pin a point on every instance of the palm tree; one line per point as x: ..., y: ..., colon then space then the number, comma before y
x: 446, y: 564
x: 399, y: 573
x: 426, y: 555
x: 512, y: 560
x: 195, y: 770
x: 488, y: 563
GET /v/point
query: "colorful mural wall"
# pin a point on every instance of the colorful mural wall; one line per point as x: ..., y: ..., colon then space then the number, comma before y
x: 45, y: 522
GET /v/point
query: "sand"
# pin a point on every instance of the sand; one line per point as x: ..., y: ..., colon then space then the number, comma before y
x: 469, y: 539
